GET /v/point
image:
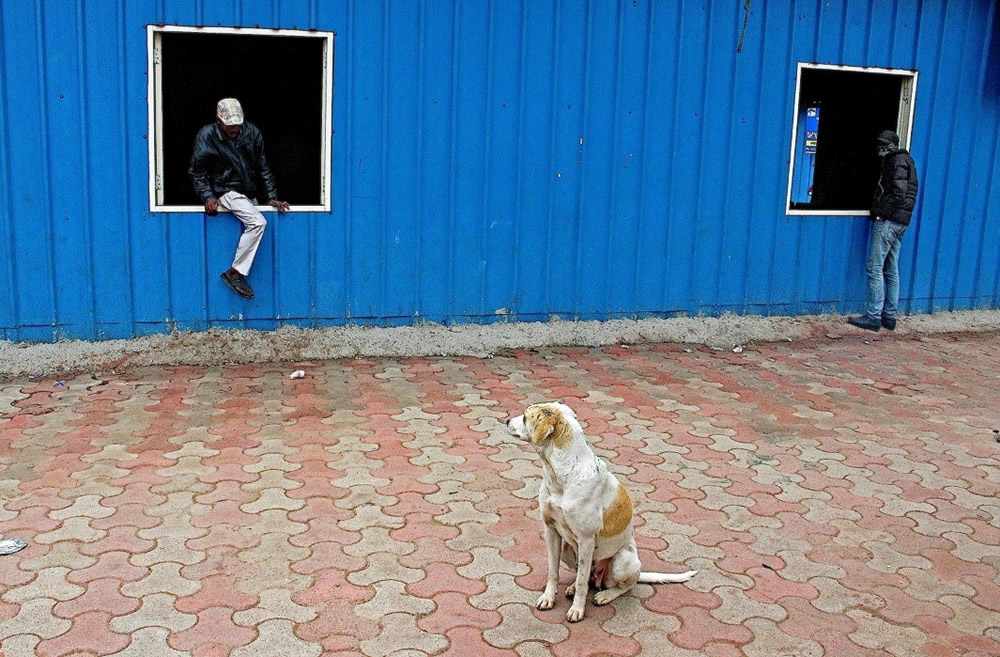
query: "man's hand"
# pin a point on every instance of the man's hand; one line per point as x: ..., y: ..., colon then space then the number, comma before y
x: 281, y: 206
x: 212, y: 207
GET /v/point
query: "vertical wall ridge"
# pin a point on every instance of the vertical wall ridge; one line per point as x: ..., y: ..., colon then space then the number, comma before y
x: 9, y: 313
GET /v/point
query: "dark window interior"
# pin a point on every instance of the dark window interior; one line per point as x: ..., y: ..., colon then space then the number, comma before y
x: 855, y: 108
x: 279, y: 82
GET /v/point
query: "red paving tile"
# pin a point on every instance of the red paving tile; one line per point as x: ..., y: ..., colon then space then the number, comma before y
x: 100, y: 595
x: 89, y: 634
x: 848, y: 490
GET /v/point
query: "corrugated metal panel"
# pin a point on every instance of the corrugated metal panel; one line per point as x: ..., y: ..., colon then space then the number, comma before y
x: 495, y: 160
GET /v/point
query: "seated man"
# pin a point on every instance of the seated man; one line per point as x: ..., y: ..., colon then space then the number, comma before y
x: 228, y: 158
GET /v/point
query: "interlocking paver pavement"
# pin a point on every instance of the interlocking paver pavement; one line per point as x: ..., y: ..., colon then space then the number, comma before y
x: 839, y: 498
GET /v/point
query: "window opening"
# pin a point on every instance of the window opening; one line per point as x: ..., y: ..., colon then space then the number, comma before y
x: 283, y: 79
x: 838, y: 113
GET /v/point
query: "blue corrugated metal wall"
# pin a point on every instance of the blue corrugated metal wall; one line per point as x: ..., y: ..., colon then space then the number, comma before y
x: 495, y: 159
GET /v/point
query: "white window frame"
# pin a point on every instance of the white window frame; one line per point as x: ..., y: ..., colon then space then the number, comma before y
x: 904, y: 124
x: 155, y: 107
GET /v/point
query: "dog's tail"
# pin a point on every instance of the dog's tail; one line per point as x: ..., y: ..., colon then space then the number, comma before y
x: 666, y: 578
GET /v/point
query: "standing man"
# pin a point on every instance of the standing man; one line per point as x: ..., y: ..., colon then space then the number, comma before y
x: 228, y: 159
x: 892, y: 207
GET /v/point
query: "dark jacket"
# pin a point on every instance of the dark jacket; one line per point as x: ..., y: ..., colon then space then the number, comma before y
x: 896, y: 192
x: 220, y: 164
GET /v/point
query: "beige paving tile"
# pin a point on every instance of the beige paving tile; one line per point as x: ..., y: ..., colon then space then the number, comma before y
x: 769, y: 641
x: 162, y: 578
x: 737, y: 607
x: 520, y: 624
x: 370, y: 515
x: 274, y: 604
x: 35, y: 618
x: 72, y: 529
x: 501, y: 589
x: 384, y: 566
x: 157, y: 610
x: 150, y: 641
x: 400, y: 630
x: 970, y: 618
x: 875, y: 633
x: 486, y: 561
x: 925, y: 585
x: 835, y: 599
x: 50, y: 583
x: 391, y: 597
x: 64, y: 554
x: 167, y: 548
x: 460, y: 512
x: 21, y: 645
x: 87, y: 506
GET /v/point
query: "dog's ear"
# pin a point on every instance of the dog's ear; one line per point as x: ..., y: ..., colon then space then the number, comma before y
x: 549, y: 423
x: 544, y: 425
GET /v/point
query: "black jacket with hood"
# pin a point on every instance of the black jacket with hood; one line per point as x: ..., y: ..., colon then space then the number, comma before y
x: 220, y: 164
x: 896, y: 192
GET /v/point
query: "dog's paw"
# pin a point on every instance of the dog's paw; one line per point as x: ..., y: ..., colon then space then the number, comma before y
x: 574, y: 614
x: 545, y: 601
x: 604, y: 597
x: 571, y: 590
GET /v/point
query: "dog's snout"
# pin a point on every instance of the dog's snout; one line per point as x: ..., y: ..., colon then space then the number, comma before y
x: 515, y: 426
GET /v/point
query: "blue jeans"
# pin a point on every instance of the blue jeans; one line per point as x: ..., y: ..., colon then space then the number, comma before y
x: 883, y: 270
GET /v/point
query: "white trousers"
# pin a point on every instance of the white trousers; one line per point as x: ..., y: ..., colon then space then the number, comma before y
x: 253, y: 229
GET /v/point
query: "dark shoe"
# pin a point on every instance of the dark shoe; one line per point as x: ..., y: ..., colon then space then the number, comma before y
x: 888, y: 323
x: 238, y: 283
x: 861, y: 321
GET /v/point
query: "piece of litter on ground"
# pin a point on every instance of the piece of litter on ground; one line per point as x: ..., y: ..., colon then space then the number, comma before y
x: 834, y: 336
x: 59, y: 384
x: 738, y: 349
x: 11, y: 545
x: 297, y: 374
x: 688, y: 351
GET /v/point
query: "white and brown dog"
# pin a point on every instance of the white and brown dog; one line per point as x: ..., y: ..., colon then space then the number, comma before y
x: 586, y: 511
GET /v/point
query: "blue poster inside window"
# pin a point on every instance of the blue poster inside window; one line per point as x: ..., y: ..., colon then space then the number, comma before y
x: 806, y: 143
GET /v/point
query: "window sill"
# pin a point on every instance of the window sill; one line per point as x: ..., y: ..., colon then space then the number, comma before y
x: 826, y: 213
x: 262, y: 208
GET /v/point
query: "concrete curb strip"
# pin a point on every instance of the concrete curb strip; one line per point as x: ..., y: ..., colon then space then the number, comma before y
x: 218, y: 346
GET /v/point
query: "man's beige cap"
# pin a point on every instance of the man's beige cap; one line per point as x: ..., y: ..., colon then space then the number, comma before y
x: 229, y: 111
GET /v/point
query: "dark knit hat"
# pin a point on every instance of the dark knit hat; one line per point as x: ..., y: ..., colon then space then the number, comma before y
x: 888, y: 137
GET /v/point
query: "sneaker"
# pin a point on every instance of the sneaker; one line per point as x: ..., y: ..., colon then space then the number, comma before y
x: 238, y: 283
x: 862, y: 321
x: 889, y: 323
